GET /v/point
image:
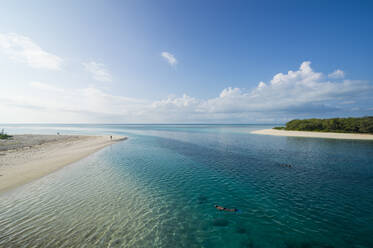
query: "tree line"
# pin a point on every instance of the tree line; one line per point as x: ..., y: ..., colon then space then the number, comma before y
x: 344, y: 125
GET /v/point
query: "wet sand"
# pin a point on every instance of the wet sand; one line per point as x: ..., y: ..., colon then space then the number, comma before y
x: 351, y: 136
x: 24, y: 158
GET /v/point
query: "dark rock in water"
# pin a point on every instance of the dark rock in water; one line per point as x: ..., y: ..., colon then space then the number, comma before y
x: 306, y: 245
x: 247, y: 244
x: 117, y: 242
x: 202, y: 199
x: 220, y: 222
x: 289, y: 244
x: 205, y: 227
x: 240, y: 230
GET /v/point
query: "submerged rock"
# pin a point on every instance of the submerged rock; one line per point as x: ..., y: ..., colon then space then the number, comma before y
x: 306, y: 244
x: 247, y: 243
x: 202, y: 199
x: 117, y: 243
x: 240, y: 230
x: 220, y: 222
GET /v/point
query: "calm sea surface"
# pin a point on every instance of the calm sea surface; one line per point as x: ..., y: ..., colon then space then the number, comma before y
x: 158, y: 189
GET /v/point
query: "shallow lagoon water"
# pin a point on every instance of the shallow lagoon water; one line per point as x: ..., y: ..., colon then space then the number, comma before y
x: 158, y: 189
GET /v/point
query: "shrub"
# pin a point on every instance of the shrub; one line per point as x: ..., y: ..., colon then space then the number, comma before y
x: 346, y: 125
x: 279, y: 128
x: 3, y: 135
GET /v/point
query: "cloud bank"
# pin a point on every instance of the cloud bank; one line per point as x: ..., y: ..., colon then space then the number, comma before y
x: 22, y: 49
x: 337, y: 74
x: 296, y: 94
x: 98, y: 71
x: 45, y: 87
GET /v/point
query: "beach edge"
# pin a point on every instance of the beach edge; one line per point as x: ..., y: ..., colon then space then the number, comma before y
x: 311, y: 134
x: 54, y: 156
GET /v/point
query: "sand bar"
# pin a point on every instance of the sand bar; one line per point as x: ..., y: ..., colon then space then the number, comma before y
x: 27, y: 157
x: 351, y: 136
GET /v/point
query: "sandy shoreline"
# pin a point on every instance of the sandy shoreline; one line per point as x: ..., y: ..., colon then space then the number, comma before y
x: 351, y: 136
x: 28, y: 157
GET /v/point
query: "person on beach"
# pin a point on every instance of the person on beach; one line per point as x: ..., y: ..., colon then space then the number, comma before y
x: 111, y: 137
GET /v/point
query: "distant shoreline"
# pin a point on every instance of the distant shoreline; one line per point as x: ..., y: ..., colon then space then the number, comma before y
x: 25, y: 158
x: 312, y: 134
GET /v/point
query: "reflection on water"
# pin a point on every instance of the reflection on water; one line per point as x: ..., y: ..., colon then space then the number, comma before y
x: 159, y: 188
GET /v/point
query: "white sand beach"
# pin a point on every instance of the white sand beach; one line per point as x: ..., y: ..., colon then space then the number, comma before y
x: 350, y: 136
x: 27, y: 157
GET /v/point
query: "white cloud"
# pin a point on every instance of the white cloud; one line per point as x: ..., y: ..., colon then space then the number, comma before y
x: 98, y: 71
x: 46, y: 87
x: 300, y: 92
x: 337, y: 74
x: 261, y: 85
x: 296, y: 94
x: 185, y: 104
x: 230, y: 92
x: 170, y: 58
x: 303, y: 75
x: 22, y: 49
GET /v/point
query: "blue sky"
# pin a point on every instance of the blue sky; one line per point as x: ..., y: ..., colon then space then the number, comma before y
x: 185, y: 61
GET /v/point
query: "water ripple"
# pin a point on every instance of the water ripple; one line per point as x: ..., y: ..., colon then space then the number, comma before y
x: 158, y: 190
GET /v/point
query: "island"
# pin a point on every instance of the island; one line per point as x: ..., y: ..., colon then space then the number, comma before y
x: 334, y: 128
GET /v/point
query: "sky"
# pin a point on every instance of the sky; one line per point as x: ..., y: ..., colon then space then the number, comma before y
x: 184, y: 61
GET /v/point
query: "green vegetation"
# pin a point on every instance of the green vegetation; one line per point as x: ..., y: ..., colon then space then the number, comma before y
x: 339, y: 125
x: 4, y: 135
x: 279, y: 128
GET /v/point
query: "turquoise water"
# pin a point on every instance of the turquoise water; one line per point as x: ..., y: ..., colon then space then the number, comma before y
x: 158, y: 189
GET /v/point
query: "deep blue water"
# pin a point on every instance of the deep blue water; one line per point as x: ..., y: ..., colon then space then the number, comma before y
x: 159, y: 188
